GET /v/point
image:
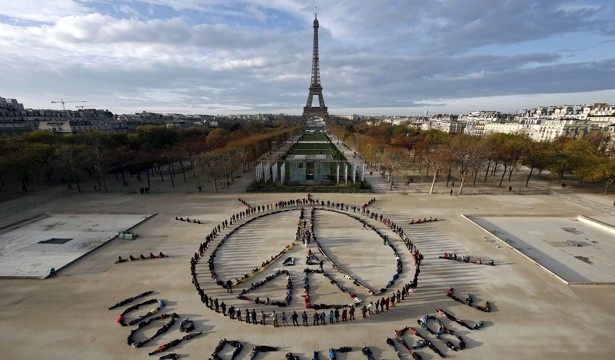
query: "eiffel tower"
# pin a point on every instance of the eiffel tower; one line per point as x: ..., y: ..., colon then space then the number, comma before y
x: 310, y: 111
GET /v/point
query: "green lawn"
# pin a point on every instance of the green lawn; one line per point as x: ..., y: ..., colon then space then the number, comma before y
x: 313, y: 152
x: 312, y: 146
x: 315, y: 149
x: 314, y: 137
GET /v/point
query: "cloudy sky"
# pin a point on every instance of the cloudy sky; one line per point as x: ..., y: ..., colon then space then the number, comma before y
x: 391, y: 57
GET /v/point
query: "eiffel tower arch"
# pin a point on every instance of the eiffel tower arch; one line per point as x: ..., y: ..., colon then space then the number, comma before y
x: 310, y: 111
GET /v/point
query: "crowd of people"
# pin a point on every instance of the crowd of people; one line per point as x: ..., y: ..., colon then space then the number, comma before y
x: 260, y: 348
x: 237, y: 347
x: 334, y: 264
x: 162, y: 330
x: 305, y: 231
x: 153, y: 311
x: 140, y: 257
x: 256, y: 285
x: 173, y: 343
x: 121, y: 320
x: 194, y: 221
x: 306, y: 290
x: 440, y: 332
x: 131, y: 299
x: 342, y: 349
x: 305, y: 234
x: 323, y: 313
x: 371, y: 201
x: 466, y: 259
x: 469, y: 301
x: 148, y: 318
x: 421, y: 221
x: 477, y: 325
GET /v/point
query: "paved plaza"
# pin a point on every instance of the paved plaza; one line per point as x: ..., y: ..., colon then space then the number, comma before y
x: 534, y: 314
x: 32, y: 247
x: 572, y: 250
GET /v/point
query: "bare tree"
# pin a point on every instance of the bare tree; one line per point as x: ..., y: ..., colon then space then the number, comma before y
x: 394, y: 158
x: 436, y: 160
x: 464, y: 150
x: 210, y: 164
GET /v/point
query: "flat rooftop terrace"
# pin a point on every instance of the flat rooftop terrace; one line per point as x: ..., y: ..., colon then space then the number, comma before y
x: 575, y: 251
x: 31, y: 248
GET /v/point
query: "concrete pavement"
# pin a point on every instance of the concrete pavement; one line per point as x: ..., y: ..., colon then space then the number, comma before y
x: 67, y: 316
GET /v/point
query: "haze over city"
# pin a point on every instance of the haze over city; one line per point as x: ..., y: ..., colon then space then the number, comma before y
x: 378, y: 57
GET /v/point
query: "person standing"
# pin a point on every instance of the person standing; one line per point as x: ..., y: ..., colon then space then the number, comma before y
x: 284, y: 320
x: 274, y: 317
x: 231, y: 312
x: 294, y: 317
x: 263, y: 317
x: 304, y: 317
x: 316, y: 318
x: 253, y: 316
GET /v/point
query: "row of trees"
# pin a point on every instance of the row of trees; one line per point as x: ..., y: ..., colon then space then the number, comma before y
x: 42, y: 158
x: 589, y: 159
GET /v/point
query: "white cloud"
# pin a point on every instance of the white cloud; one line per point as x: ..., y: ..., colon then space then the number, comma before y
x: 254, y: 55
x: 47, y: 11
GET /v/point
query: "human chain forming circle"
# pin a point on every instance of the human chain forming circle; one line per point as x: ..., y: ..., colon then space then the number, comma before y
x: 305, y: 234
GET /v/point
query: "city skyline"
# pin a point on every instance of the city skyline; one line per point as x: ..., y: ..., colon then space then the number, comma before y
x: 233, y: 57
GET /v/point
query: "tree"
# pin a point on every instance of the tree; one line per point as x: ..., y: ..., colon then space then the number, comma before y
x: 21, y: 159
x: 98, y: 154
x: 436, y: 159
x: 509, y: 151
x: 73, y: 161
x: 465, y: 153
x: 156, y: 137
x: 121, y: 159
x: 393, y: 158
x: 242, y: 156
x: 603, y: 170
x: 535, y: 156
x: 570, y: 156
x: 211, y: 164
x: 580, y: 154
x: 429, y: 141
x: 229, y: 163
x: 217, y: 139
x: 489, y: 145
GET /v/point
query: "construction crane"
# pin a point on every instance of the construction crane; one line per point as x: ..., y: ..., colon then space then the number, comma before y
x: 62, y: 101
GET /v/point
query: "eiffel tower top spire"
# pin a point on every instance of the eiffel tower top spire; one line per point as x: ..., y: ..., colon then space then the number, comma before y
x: 315, y: 59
